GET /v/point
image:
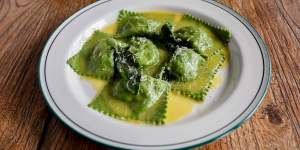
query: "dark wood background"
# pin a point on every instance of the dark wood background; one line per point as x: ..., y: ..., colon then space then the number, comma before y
x: 27, y: 123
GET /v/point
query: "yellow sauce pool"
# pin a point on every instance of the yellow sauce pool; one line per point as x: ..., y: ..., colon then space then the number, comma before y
x: 110, y: 28
x: 178, y: 106
x: 216, y: 82
x: 98, y: 85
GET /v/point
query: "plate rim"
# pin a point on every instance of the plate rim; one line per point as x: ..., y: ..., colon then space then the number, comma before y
x: 265, y: 82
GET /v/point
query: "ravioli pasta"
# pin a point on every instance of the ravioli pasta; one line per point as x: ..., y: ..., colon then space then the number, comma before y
x: 148, y: 105
x: 135, y: 24
x: 183, y: 65
x: 148, y: 58
x: 146, y: 52
x: 198, y: 88
x: 95, y: 58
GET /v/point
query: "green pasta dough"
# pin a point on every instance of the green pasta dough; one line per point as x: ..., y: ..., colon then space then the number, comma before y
x: 135, y: 24
x: 199, y: 40
x: 148, y: 105
x: 145, y: 51
x: 183, y: 66
x: 222, y: 33
x: 95, y: 59
x: 198, y: 88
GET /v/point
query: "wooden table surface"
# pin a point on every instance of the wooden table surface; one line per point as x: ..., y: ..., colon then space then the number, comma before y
x: 27, y: 123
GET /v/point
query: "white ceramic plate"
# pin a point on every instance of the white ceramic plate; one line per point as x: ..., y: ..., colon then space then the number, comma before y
x: 245, y: 81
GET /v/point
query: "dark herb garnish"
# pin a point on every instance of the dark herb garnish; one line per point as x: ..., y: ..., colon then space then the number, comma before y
x: 126, y: 67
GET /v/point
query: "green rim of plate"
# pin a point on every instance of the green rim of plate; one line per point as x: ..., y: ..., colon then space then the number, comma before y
x: 265, y: 83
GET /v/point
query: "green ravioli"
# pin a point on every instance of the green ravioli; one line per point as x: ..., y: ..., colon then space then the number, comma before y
x: 135, y: 24
x: 144, y: 50
x: 148, y: 105
x: 222, y: 33
x: 199, y: 40
x: 95, y: 59
x: 184, y: 65
x: 198, y: 88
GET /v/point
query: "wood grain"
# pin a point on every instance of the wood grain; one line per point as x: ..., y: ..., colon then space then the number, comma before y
x: 26, y: 122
